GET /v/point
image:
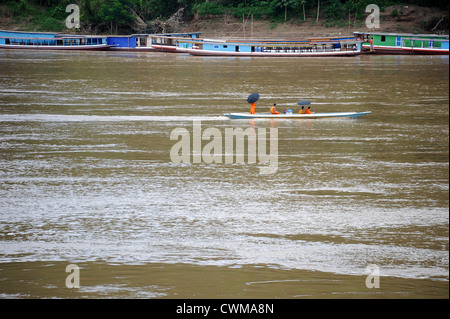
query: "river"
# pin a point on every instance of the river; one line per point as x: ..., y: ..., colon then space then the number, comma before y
x: 87, y: 177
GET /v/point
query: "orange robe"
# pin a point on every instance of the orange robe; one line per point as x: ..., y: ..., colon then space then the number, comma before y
x: 308, y: 111
x: 273, y: 111
x: 252, y: 108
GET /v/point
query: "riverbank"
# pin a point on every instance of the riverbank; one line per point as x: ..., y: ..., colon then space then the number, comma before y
x: 404, y: 19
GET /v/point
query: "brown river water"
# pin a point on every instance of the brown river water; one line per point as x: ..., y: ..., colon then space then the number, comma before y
x: 87, y: 177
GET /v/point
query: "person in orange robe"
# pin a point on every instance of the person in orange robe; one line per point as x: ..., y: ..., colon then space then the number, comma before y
x: 302, y: 110
x: 308, y: 110
x: 273, y: 109
x: 252, y: 108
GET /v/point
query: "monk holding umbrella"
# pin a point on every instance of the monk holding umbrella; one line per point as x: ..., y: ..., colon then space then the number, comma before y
x: 252, y: 98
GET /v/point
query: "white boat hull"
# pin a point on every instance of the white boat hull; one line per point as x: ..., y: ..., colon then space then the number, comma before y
x: 295, y: 116
x: 94, y: 47
x: 297, y: 53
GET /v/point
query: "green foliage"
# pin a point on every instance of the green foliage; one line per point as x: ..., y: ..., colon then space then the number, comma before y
x: 51, y: 24
x: 273, y: 25
x: 335, y: 10
x: 158, y: 8
x: 117, y: 11
x: 18, y: 8
x: 394, y: 13
x: 109, y: 15
x: 258, y: 9
x: 208, y: 8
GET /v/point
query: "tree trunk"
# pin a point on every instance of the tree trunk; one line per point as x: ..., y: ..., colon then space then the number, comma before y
x: 137, y: 23
x: 304, y: 16
x: 285, y: 12
x: 318, y: 10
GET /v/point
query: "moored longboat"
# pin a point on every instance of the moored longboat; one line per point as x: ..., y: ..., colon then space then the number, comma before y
x: 403, y: 43
x: 168, y: 42
x: 149, y: 42
x: 51, y: 41
x: 271, y: 48
x: 56, y: 41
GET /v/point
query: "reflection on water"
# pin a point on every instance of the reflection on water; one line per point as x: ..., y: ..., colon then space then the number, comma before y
x: 86, y: 175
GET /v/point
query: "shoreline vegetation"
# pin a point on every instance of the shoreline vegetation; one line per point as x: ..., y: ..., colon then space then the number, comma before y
x: 226, y: 18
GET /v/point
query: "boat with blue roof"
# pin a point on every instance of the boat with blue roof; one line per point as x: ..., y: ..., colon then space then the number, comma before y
x: 314, y: 47
x: 51, y: 41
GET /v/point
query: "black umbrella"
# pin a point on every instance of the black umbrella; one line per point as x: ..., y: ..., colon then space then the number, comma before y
x: 303, y: 102
x: 252, y: 98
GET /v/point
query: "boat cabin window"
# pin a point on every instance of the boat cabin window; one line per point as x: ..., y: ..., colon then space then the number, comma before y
x: 225, y: 46
x: 383, y: 38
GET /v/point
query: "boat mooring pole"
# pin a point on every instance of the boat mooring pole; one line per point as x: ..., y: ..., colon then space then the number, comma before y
x: 251, y: 34
x: 243, y: 23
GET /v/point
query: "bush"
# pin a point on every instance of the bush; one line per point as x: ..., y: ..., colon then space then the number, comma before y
x: 58, y: 12
x: 52, y: 19
x: 335, y: 11
x: 18, y: 8
x: 394, y: 13
x: 258, y: 10
x: 273, y: 25
x: 208, y: 8
x: 51, y: 24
